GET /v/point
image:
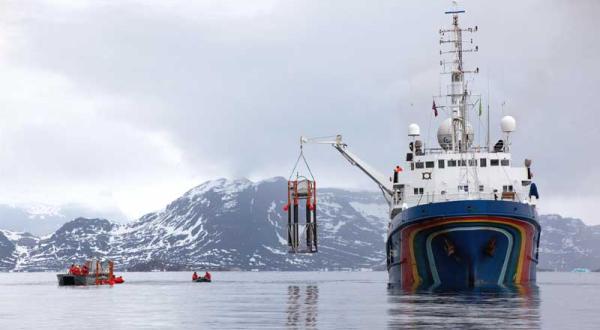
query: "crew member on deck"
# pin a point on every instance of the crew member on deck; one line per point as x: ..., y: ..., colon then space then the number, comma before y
x: 194, y: 276
x: 397, y: 170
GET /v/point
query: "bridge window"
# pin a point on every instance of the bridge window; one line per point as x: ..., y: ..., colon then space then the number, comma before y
x: 419, y: 164
x: 451, y: 163
x: 494, y: 162
x: 505, y: 162
x: 462, y: 162
x: 429, y: 164
x: 472, y: 162
x: 441, y: 163
x: 483, y: 162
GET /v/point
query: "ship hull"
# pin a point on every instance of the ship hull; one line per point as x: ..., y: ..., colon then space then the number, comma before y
x: 69, y: 279
x: 463, y: 244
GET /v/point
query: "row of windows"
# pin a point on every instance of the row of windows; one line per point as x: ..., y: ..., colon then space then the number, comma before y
x: 466, y: 188
x: 442, y: 163
x: 508, y: 188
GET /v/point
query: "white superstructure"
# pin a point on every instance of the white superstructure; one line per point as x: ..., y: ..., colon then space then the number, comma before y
x: 457, y: 169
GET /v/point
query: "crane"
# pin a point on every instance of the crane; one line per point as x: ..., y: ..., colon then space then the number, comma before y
x: 339, y: 145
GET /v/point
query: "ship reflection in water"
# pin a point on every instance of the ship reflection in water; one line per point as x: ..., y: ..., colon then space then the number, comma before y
x: 516, y: 307
x: 302, y: 306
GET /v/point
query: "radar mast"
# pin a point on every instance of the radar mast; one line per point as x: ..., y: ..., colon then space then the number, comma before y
x: 458, y: 90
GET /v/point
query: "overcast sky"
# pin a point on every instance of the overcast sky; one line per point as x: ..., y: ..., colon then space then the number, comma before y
x: 127, y: 104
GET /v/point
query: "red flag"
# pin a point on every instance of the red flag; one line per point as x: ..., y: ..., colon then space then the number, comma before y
x: 435, y: 112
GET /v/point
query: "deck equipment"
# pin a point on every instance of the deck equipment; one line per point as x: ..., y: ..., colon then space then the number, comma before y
x: 303, y: 190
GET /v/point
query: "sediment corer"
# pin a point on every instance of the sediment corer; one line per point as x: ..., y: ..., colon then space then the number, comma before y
x: 295, y: 225
x: 302, y: 190
x: 289, y: 212
x: 311, y: 219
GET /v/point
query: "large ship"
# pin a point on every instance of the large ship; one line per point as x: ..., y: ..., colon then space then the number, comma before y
x: 461, y: 215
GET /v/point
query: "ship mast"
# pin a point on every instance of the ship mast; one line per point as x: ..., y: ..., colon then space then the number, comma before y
x: 458, y: 92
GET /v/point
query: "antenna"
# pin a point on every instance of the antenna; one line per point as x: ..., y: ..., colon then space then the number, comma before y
x: 487, y: 141
x: 457, y: 91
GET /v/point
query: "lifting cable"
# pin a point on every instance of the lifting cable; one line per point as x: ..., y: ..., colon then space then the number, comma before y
x: 301, y: 156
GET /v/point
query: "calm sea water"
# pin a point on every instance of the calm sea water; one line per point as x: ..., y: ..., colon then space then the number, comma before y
x: 250, y: 300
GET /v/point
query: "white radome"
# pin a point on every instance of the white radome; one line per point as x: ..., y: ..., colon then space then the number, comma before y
x: 414, y: 130
x: 444, y: 134
x: 508, y: 124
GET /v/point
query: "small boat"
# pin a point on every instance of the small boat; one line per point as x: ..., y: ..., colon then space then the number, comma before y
x: 90, y: 273
x: 202, y: 279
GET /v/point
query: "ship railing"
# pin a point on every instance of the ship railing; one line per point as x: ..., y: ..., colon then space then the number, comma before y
x: 428, y: 198
x: 437, y: 151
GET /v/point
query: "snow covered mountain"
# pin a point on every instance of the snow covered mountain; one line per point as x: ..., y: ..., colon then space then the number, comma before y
x: 568, y: 243
x: 44, y: 219
x: 221, y: 224
x: 239, y: 224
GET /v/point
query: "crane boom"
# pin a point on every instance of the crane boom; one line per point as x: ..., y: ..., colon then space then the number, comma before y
x: 342, y: 147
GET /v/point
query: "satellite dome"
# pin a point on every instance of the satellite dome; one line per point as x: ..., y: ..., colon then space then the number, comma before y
x: 444, y: 134
x: 508, y: 124
x: 414, y: 130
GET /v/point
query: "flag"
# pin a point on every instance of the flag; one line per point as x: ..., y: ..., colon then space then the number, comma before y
x: 480, y: 108
x: 434, y: 108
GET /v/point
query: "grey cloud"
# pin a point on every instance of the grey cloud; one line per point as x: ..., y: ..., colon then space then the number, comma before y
x: 233, y: 86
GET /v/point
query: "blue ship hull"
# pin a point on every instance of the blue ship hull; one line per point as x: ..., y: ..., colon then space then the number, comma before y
x: 463, y: 244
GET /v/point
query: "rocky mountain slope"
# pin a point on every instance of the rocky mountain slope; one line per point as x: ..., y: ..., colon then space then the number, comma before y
x: 239, y: 224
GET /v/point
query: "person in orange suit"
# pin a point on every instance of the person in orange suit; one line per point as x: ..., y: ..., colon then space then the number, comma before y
x: 194, y: 276
x: 84, y: 270
x: 207, y: 276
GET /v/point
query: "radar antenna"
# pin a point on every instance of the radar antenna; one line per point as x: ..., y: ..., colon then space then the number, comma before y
x: 458, y: 89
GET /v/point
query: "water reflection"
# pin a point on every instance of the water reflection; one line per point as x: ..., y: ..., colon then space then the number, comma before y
x: 516, y: 307
x: 302, y: 306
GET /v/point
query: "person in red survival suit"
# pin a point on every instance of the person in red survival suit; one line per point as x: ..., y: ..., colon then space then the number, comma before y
x: 84, y: 270
x: 71, y: 268
x: 207, y: 276
x: 76, y: 270
x: 194, y: 276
